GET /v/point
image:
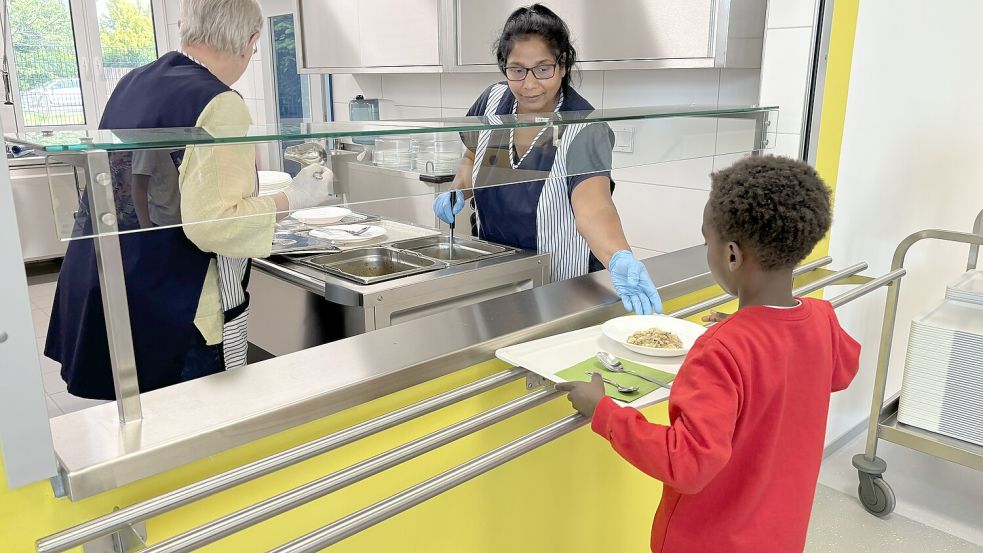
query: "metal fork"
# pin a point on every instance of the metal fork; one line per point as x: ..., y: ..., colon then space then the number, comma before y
x: 358, y: 232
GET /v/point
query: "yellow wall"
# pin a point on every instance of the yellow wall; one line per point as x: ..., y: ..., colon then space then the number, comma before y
x: 552, y: 499
x: 835, y: 91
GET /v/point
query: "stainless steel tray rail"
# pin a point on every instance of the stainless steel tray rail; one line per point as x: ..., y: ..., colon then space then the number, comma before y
x: 122, y: 519
x: 119, y: 520
x: 387, y: 508
x: 875, y: 493
x: 256, y: 513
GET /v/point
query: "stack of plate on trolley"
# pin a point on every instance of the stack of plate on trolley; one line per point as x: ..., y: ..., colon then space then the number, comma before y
x: 967, y: 288
x: 942, y: 389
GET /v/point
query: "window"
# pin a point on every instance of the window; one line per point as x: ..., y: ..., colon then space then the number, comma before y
x: 47, y: 67
x: 69, y: 55
x: 126, y: 34
x: 292, y: 90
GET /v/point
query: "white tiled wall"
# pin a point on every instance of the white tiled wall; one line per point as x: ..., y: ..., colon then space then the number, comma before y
x: 785, y: 67
x: 646, y: 182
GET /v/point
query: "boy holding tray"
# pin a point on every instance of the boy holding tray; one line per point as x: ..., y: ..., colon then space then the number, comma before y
x: 748, y: 409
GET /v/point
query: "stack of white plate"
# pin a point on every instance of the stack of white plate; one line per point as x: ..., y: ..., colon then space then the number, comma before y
x: 394, y: 152
x: 437, y: 154
x: 271, y: 182
x: 942, y: 389
x: 967, y: 288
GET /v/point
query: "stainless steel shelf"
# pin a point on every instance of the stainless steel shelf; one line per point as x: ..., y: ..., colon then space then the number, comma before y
x: 930, y: 443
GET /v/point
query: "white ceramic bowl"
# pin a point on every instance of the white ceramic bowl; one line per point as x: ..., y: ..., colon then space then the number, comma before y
x: 325, y: 215
x: 621, y: 328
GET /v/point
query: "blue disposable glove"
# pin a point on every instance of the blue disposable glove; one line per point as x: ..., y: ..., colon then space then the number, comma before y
x: 633, y: 284
x: 444, y: 210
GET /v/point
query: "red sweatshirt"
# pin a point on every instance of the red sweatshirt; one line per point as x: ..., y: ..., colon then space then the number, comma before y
x: 747, y: 415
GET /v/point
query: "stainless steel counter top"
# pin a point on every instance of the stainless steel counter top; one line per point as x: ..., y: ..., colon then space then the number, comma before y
x: 192, y: 420
x: 345, y: 292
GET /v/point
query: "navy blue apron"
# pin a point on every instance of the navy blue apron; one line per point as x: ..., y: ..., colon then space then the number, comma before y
x: 164, y: 271
x: 537, y: 214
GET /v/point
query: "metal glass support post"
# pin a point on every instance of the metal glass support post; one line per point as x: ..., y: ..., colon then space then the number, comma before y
x: 974, y: 249
x: 109, y: 260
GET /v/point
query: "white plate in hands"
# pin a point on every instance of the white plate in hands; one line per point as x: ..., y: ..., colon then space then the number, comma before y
x: 621, y: 328
x: 325, y: 215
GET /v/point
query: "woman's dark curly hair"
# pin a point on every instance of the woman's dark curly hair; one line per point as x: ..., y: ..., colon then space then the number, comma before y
x: 538, y: 20
x: 775, y: 207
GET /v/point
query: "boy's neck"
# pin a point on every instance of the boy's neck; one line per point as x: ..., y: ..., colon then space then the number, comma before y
x: 767, y: 288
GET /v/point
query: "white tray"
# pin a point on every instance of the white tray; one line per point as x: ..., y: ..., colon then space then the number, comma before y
x: 547, y: 356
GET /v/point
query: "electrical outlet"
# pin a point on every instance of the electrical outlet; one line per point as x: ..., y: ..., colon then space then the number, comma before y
x: 624, y: 139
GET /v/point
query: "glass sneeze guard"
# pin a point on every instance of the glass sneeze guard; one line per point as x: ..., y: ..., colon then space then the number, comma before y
x: 139, y: 185
x: 131, y: 139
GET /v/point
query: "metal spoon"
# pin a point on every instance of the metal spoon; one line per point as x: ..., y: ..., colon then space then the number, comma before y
x: 612, y: 364
x: 619, y: 387
x: 358, y: 232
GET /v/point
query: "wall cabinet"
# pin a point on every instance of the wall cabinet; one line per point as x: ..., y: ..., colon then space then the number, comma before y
x: 616, y: 30
x: 404, y: 36
x: 339, y: 36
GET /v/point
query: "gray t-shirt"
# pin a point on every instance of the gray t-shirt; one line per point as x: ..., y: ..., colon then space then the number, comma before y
x: 163, y: 189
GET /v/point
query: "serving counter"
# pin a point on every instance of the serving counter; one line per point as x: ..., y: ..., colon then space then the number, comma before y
x: 400, y: 404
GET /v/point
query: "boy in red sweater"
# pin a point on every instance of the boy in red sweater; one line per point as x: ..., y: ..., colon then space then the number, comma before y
x: 747, y: 411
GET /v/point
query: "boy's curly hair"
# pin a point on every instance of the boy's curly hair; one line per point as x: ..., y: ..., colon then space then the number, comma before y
x: 778, y: 208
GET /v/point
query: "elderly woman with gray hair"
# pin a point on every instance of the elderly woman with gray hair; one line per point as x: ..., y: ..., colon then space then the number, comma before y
x: 186, y: 280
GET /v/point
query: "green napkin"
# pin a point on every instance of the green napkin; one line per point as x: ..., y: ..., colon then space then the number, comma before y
x: 578, y: 373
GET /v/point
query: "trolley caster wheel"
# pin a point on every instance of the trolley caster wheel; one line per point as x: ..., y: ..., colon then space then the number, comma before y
x: 876, y: 495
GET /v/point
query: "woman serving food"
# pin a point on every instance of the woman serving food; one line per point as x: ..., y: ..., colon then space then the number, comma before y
x: 567, y: 209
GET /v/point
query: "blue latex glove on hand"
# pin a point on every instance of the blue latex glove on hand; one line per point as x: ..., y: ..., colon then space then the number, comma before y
x: 443, y: 208
x: 633, y: 284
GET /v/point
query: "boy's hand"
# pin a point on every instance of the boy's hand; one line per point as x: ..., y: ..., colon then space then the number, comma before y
x: 715, y: 317
x: 584, y: 396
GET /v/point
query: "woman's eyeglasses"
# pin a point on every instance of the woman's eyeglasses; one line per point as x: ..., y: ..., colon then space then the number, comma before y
x: 541, y: 72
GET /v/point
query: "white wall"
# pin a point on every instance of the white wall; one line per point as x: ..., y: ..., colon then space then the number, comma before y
x: 911, y: 160
x: 785, y: 67
x: 682, y: 184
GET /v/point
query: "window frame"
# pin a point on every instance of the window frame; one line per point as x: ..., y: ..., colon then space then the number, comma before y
x: 318, y: 92
x: 89, y: 59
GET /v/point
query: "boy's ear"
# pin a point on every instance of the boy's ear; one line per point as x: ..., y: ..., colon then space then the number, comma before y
x: 735, y: 256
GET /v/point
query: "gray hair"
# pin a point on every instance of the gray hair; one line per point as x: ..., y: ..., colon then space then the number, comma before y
x: 222, y: 25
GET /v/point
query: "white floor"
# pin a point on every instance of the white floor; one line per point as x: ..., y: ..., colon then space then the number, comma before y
x: 41, y: 288
x: 940, y: 505
x: 940, y: 494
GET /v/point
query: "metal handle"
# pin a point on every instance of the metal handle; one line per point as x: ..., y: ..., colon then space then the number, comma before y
x: 387, y: 508
x: 974, y: 249
x: 724, y: 298
x: 830, y: 279
x: 118, y: 520
x: 264, y: 510
x: 859, y: 291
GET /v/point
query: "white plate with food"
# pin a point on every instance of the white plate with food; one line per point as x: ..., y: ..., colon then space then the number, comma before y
x: 655, y: 335
x: 349, y: 233
x: 325, y: 215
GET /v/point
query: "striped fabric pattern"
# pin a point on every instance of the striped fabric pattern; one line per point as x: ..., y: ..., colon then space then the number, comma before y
x: 556, y: 227
x: 494, y: 98
x: 231, y: 275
